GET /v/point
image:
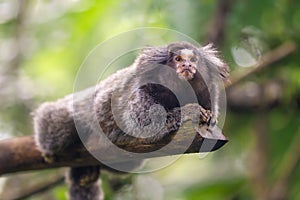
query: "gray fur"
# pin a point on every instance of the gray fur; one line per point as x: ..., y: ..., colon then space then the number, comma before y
x: 84, y: 183
x: 133, y: 110
x: 219, y: 71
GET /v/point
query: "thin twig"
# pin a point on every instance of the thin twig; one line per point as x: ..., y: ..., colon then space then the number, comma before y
x: 273, y: 56
x: 37, y: 189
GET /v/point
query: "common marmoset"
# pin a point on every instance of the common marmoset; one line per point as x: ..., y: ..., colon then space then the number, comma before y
x: 146, y: 99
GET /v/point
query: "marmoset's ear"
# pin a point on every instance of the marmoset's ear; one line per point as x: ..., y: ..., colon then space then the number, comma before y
x: 174, y: 47
x: 212, y: 58
x: 152, y: 55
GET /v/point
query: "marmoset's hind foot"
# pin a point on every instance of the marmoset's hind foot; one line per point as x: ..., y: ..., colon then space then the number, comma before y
x: 49, y: 158
x: 196, y: 113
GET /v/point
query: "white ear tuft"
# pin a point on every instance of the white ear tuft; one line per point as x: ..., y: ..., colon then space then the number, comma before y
x: 211, y: 55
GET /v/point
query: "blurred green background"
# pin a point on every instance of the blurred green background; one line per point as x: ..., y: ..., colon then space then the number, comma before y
x: 43, y: 43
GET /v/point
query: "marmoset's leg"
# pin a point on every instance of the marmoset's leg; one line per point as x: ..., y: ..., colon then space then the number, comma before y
x: 84, y: 183
x: 54, y: 128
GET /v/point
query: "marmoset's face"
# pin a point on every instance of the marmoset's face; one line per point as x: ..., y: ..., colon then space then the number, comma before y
x: 185, y: 62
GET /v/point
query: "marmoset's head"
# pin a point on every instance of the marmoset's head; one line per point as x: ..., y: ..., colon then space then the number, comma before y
x: 184, y: 58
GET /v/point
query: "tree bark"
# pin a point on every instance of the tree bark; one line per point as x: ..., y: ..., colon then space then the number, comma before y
x: 21, y: 153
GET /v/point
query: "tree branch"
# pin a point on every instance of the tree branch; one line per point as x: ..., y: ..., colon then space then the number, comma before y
x: 215, y: 34
x: 273, y: 56
x: 38, y: 188
x: 21, y: 154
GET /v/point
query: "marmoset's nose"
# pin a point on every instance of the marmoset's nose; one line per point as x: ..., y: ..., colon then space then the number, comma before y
x: 186, y: 65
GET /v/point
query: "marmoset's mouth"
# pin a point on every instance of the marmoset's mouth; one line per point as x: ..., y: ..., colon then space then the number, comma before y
x: 186, y: 73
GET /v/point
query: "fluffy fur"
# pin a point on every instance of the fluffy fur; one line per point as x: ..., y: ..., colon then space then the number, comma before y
x: 126, y: 106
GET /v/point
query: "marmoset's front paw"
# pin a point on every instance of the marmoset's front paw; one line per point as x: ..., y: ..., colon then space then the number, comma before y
x: 196, y: 113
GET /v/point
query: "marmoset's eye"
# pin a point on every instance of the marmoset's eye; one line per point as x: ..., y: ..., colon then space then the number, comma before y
x: 193, y: 59
x: 178, y: 58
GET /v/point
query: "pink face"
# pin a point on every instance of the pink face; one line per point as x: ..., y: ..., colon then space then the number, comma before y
x: 186, y: 64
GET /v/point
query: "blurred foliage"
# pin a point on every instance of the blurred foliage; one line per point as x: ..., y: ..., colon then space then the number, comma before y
x: 43, y: 43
